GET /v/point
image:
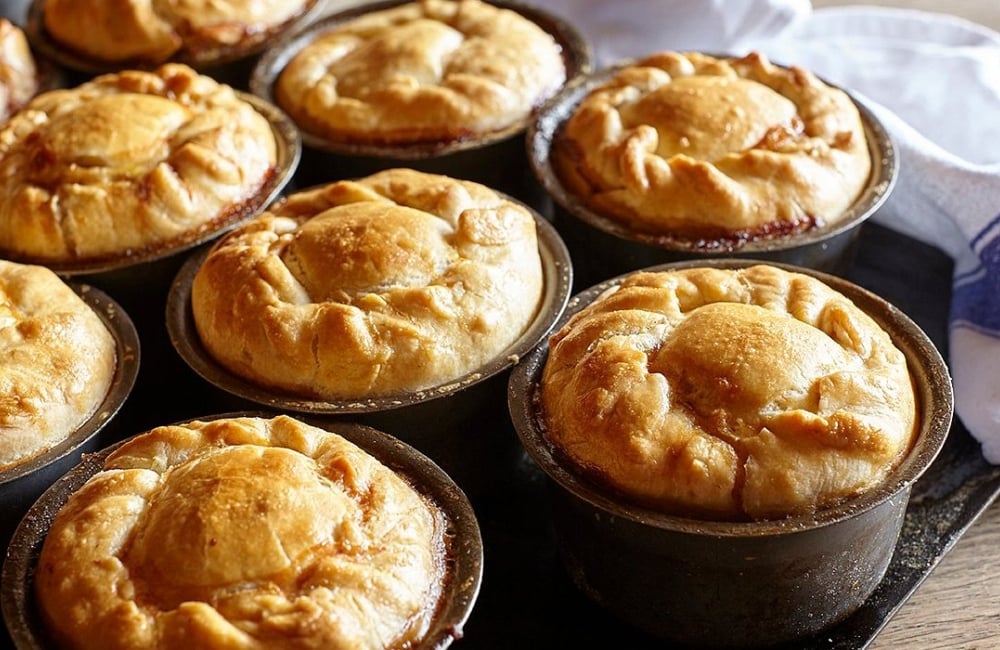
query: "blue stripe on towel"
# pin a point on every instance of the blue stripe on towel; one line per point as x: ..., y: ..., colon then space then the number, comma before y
x: 985, y: 231
x: 975, y: 300
x: 974, y: 275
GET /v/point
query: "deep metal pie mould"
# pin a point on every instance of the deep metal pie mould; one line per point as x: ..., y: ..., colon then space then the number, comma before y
x: 611, y: 248
x: 734, y: 584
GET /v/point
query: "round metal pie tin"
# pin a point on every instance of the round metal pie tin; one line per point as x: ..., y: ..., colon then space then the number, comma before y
x: 464, y: 556
x: 463, y: 424
x: 134, y: 269
x: 611, y: 248
x: 496, y: 159
x: 217, y: 60
x: 734, y: 584
x: 21, y: 484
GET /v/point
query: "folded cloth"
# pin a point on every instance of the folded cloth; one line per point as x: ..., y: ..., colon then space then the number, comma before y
x: 631, y: 28
x: 933, y: 79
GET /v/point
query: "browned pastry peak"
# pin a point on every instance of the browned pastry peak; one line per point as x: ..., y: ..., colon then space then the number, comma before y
x: 688, y: 112
x: 367, y: 247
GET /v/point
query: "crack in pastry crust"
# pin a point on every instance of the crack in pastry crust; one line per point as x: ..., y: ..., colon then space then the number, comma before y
x: 397, y: 282
x: 756, y: 393
x: 700, y: 147
x: 57, y: 361
x: 18, y: 73
x: 425, y: 71
x: 154, y: 31
x: 242, y: 533
x: 126, y: 163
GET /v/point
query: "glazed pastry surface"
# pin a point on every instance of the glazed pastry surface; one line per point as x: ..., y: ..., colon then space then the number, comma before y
x: 398, y: 282
x: 433, y: 70
x: 242, y: 533
x: 693, y: 146
x: 154, y: 31
x: 729, y: 394
x: 57, y: 360
x: 127, y: 163
x: 18, y: 72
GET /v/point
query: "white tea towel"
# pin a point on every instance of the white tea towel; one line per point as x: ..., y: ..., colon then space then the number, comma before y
x: 935, y: 82
x: 933, y: 79
x: 631, y: 28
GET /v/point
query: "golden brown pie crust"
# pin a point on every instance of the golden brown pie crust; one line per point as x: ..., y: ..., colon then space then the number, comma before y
x: 127, y: 163
x: 18, y: 73
x: 393, y: 283
x: 155, y: 31
x: 732, y: 394
x: 57, y: 360
x: 242, y: 532
x: 694, y: 146
x: 433, y: 70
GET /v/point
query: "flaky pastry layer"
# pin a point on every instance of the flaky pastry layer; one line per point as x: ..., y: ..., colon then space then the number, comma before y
x: 242, y: 533
x: 57, y: 360
x: 127, y: 163
x: 18, y: 73
x: 390, y: 284
x: 426, y: 71
x: 155, y: 31
x: 698, y: 147
x: 729, y: 394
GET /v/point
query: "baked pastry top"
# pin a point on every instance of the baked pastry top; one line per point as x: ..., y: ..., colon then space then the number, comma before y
x: 57, y: 360
x: 155, y: 31
x: 426, y: 71
x: 127, y: 163
x: 242, y: 533
x: 699, y: 147
x: 397, y: 282
x: 728, y: 394
x: 18, y: 73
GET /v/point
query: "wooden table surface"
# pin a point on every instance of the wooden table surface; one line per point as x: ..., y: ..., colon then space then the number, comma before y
x: 958, y: 605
